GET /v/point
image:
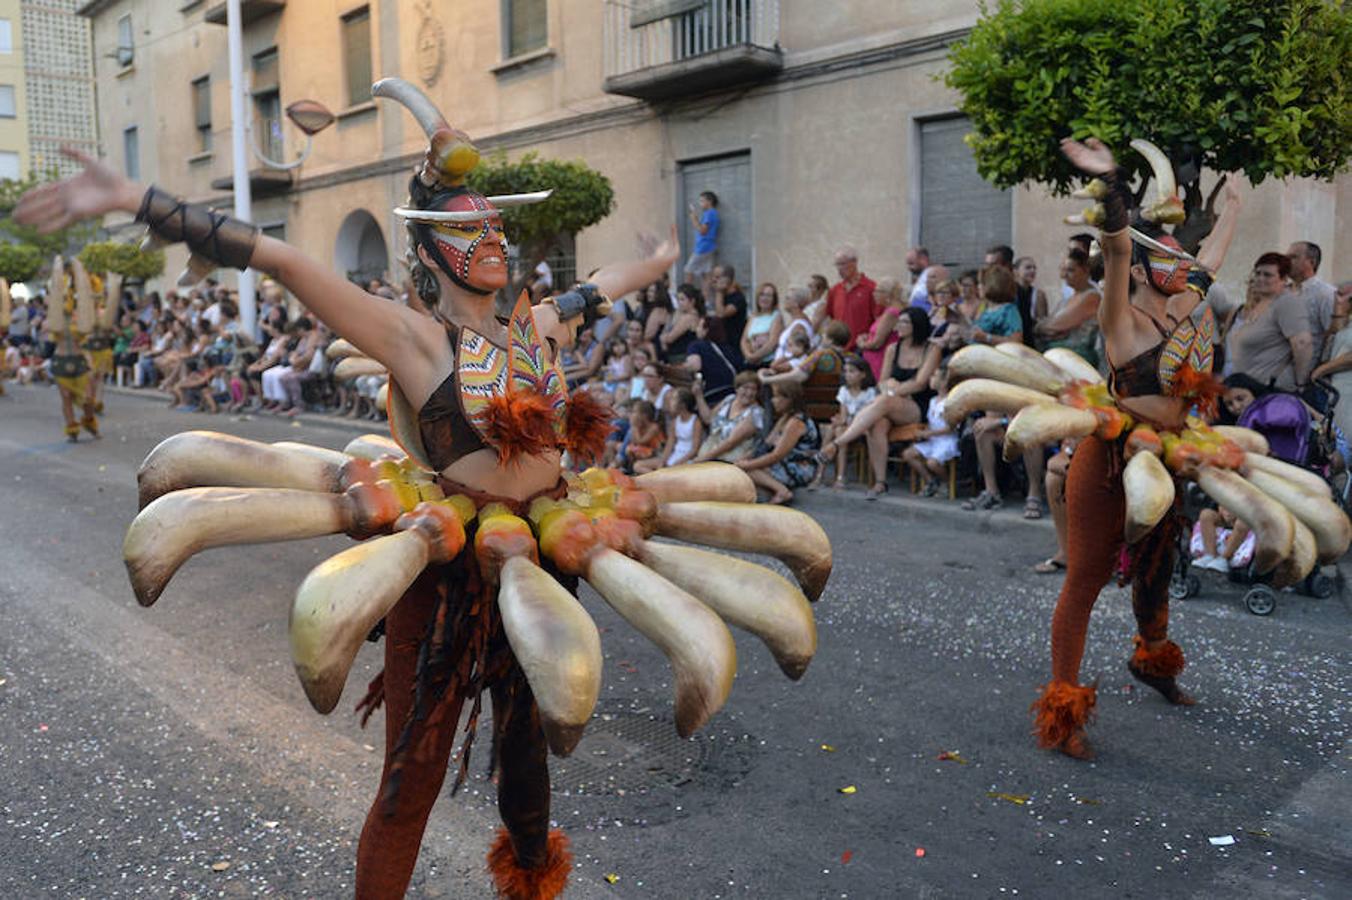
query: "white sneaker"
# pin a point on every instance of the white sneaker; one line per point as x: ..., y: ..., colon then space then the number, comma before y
x: 1212, y: 563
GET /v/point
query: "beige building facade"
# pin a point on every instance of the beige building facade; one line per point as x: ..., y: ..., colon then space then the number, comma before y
x: 819, y: 124
x: 14, y: 153
x: 58, y: 101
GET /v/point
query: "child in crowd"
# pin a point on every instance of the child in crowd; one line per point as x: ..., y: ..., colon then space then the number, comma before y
x: 1220, y: 542
x: 618, y: 371
x: 195, y: 389
x: 684, y: 430
x: 619, y: 432
x: 856, y: 392
x: 798, y: 344
x: 928, y: 456
x: 645, y: 436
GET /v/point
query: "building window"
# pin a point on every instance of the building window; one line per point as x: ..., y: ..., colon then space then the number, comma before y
x: 9, y: 165
x: 357, y: 55
x: 131, y: 152
x: 201, y: 110
x: 125, y: 53
x: 267, y: 97
x: 523, y: 27
x: 6, y: 36
x: 8, y: 109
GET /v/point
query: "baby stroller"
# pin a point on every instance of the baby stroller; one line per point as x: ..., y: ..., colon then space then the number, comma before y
x: 1292, y: 436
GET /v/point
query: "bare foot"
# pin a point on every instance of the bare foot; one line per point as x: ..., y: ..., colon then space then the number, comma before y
x: 782, y: 498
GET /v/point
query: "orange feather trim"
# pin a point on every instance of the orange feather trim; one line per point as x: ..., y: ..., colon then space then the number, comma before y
x: 518, y: 423
x: 588, y: 426
x: 1165, y: 661
x: 1062, y: 712
x: 543, y: 882
x: 1203, y: 388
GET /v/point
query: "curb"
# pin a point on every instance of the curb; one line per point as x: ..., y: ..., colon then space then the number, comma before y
x: 321, y: 421
x: 913, y: 506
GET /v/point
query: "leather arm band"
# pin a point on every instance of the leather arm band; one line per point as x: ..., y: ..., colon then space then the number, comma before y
x: 215, y: 236
x: 1117, y: 201
x: 584, y: 300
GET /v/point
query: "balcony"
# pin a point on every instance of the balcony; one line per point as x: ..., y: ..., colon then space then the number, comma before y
x: 249, y: 11
x: 671, y: 48
x: 263, y: 181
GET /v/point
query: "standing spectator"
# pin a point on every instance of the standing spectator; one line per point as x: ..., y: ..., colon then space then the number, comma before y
x: 883, y: 332
x: 760, y: 337
x: 1338, y: 368
x: 19, y: 326
x: 1073, y: 321
x: 1001, y: 255
x: 1030, y: 299
x: 851, y: 299
x: 1268, y: 338
x: 1316, y: 294
x: 729, y: 312
x: 817, y: 287
x: 707, y: 223
x: 918, y: 264
x: 1084, y: 242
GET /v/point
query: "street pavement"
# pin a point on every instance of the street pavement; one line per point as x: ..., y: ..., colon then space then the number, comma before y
x: 169, y: 752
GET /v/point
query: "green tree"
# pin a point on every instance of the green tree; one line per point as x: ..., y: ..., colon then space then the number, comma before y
x: 64, y: 241
x: 1254, y: 85
x: 19, y: 262
x: 126, y: 260
x: 582, y: 197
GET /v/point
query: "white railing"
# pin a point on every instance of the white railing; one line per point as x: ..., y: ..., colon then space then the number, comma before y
x: 711, y: 26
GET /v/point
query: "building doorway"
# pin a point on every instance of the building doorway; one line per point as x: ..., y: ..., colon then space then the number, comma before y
x: 961, y: 214
x: 730, y: 178
x: 359, y: 252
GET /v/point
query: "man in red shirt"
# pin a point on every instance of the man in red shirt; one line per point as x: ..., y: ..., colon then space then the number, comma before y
x: 851, y: 299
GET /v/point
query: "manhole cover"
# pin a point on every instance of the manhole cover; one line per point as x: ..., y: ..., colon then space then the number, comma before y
x: 627, y: 751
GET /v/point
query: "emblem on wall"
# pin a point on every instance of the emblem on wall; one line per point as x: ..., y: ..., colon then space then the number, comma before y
x: 431, y: 49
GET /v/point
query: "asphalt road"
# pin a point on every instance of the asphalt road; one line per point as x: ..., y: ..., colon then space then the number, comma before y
x: 169, y: 752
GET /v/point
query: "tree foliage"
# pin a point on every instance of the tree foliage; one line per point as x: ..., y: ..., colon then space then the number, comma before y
x: 1254, y: 85
x: 63, y: 241
x: 126, y: 260
x: 582, y: 196
x: 19, y: 262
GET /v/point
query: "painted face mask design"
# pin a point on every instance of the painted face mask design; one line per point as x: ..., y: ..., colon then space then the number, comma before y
x: 1169, y: 274
x: 474, y: 253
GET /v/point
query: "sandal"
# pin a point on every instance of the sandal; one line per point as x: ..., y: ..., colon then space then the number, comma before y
x: 982, y: 501
x: 876, y: 490
x: 838, y: 484
x: 1049, y: 566
x: 1032, y: 508
x: 932, y: 488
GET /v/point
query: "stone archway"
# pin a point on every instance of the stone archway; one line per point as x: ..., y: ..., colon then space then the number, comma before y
x: 359, y: 251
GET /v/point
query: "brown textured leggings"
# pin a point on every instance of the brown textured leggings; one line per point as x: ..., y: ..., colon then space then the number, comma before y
x: 1095, y: 512
x: 393, y: 831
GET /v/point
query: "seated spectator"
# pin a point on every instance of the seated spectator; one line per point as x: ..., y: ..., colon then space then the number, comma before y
x: 815, y: 309
x: 633, y: 338
x: 1072, y: 320
x: 299, y: 367
x: 1240, y: 392
x: 856, y: 392
x: 970, y: 303
x: 827, y: 357
x: 796, y: 352
x: 791, y: 307
x: 760, y: 337
x: 131, y: 343
x: 706, y: 364
x: 650, y: 386
x: 784, y: 459
x: 618, y: 370
x: 195, y: 389
x: 1268, y: 338
x: 645, y: 438
x: 951, y: 329
x: 735, y: 423
x: 583, y: 360
x: 679, y: 331
x: 656, y: 310
x: 1000, y: 321
x: 1220, y: 541
x: 727, y: 312
x: 684, y: 430
x: 882, y: 333
x: 936, y: 444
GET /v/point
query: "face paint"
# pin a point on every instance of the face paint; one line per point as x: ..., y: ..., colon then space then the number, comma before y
x: 474, y: 253
x: 1169, y: 274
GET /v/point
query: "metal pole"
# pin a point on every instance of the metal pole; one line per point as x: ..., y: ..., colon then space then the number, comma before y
x: 248, y: 314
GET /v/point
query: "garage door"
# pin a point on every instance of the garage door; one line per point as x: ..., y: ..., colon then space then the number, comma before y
x: 960, y: 213
x: 730, y: 178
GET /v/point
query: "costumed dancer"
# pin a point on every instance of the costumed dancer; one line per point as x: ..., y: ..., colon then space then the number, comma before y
x: 1138, y: 433
x: 476, y: 537
x: 99, y: 343
x: 70, y: 316
x: 6, y: 311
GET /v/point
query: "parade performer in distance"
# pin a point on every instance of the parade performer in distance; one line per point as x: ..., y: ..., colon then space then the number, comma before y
x: 473, y: 535
x: 6, y: 311
x: 1138, y: 433
x: 99, y: 343
x: 71, y: 314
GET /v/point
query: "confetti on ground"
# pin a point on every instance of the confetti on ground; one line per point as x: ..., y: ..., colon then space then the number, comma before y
x: 1261, y: 832
x: 848, y: 789
x: 1020, y: 799
x: 827, y: 748
x: 1224, y: 840
x: 2, y: 681
x: 42, y: 726
x: 271, y: 823
x: 612, y: 877
x: 1085, y: 801
x: 951, y: 756
x: 919, y: 852
x: 220, y: 866
x: 846, y: 857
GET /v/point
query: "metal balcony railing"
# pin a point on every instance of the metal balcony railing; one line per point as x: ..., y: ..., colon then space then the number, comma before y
x: 663, y: 48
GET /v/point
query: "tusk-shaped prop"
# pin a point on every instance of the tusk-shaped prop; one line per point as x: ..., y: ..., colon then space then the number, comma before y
x: 338, y: 604
x: 6, y: 304
x: 699, y: 481
x: 112, y: 297
x: 1150, y: 491
x: 1249, y: 440
x: 1043, y: 424
x: 557, y: 645
x: 344, y: 597
x: 86, y: 312
x: 506, y: 201
x: 356, y: 367
x: 374, y: 447
x: 383, y: 397
x: 1167, y: 208
x: 1092, y: 215
x: 985, y: 394
x: 980, y: 361
x: 341, y: 349
x: 1050, y: 370
x: 1304, y: 556
x: 201, y: 458
x: 743, y: 594
x: 788, y: 535
x: 1273, y: 466
x: 56, y: 297
x: 412, y: 99
x: 1273, y: 526
x: 173, y: 528
x: 322, y: 454
x: 198, y: 268
x: 1329, y: 525
x: 699, y: 646
x: 1072, y: 364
